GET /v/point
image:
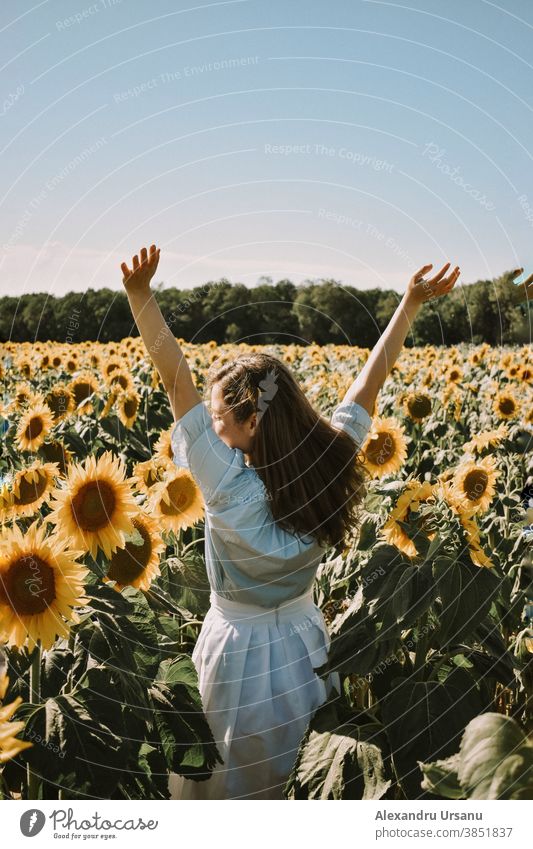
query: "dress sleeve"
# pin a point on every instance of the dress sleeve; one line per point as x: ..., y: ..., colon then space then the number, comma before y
x: 196, y: 447
x: 354, y: 419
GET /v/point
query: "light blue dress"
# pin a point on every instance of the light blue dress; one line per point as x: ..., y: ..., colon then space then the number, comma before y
x: 263, y: 634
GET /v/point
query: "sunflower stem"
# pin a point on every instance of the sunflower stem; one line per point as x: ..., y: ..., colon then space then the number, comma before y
x: 35, y: 699
x: 192, y: 543
x: 421, y: 646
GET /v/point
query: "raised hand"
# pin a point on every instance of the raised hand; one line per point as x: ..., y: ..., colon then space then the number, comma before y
x: 143, y: 271
x: 420, y: 290
x: 520, y: 292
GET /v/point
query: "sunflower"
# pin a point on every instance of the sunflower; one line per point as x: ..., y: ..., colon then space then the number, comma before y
x: 71, y: 363
x: 409, y: 501
x: 128, y: 407
x: 110, y: 365
x: 94, y: 360
x: 23, y: 394
x: 155, y: 380
x: 385, y: 448
x: 9, y: 745
x: 31, y: 487
x: 525, y: 373
x: 110, y: 400
x: 44, y: 362
x: 176, y: 502
x: 506, y: 404
x: 486, y: 439
x: 453, y: 374
x: 137, y: 564
x: 512, y: 371
x: 120, y: 379
x: 94, y: 504
x: 25, y: 366
x: 163, y: 451
x: 428, y: 379
x: 6, y: 503
x: 40, y: 582
x: 146, y: 474
x: 473, y: 484
x: 82, y: 387
x: 477, y: 554
x: 60, y: 401
x: 417, y: 405
x: 34, y: 426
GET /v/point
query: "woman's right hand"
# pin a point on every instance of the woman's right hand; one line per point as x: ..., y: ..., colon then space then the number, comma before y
x: 520, y: 292
x: 139, y: 278
x: 419, y: 290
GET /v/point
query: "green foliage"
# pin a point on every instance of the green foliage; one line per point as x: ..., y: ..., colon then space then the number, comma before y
x: 321, y: 311
x: 495, y: 761
x: 342, y: 756
x: 120, y: 706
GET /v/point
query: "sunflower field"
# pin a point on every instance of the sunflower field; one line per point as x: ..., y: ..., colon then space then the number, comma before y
x: 103, y: 586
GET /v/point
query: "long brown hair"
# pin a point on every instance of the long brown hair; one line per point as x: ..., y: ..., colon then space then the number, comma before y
x: 312, y: 472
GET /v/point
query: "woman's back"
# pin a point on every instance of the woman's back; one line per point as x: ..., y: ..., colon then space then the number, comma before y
x: 249, y: 557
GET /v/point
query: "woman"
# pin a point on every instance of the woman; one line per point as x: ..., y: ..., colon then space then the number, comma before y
x: 280, y: 484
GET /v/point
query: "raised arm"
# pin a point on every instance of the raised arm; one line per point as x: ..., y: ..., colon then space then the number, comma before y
x: 160, y: 342
x: 365, y: 388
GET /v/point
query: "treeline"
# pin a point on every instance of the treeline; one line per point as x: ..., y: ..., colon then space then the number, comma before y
x: 322, y: 312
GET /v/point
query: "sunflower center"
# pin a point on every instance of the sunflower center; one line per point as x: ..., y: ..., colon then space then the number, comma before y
x: 181, y: 494
x: 129, y: 563
x: 58, y: 403
x: 54, y: 452
x: 507, y: 406
x: 475, y: 484
x: 130, y: 407
x: 28, y: 586
x: 30, y: 491
x: 34, y: 428
x: 381, y: 449
x: 121, y: 380
x: 420, y: 406
x: 82, y: 392
x: 93, y: 505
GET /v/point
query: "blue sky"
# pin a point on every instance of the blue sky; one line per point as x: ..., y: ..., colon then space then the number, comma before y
x: 347, y: 140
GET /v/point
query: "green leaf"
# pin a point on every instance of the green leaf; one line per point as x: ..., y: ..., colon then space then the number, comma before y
x: 140, y: 627
x: 340, y: 758
x: 356, y: 646
x: 496, y: 759
x: 105, y: 599
x: 424, y: 721
x: 134, y: 538
x: 466, y: 592
x: 186, y: 738
x: 414, y: 593
x: 440, y: 778
x: 70, y: 741
x: 56, y: 664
